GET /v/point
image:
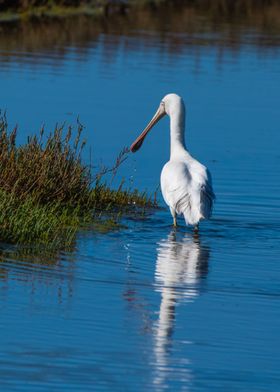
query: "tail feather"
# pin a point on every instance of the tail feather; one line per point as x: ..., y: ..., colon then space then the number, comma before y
x: 188, y: 206
x: 197, y: 206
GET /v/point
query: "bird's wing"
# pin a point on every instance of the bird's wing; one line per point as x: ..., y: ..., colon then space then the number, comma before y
x: 176, y: 186
x: 188, y: 189
x: 207, y: 195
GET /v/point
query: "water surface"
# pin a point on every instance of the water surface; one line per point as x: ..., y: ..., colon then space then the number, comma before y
x: 147, y: 307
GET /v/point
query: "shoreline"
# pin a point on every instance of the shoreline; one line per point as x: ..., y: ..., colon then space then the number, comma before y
x: 49, y: 13
x: 106, y: 8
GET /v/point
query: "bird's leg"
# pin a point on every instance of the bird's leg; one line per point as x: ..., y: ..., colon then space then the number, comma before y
x: 196, y: 229
x: 173, y: 213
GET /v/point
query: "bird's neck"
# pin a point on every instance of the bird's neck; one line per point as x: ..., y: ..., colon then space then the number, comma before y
x: 177, y: 133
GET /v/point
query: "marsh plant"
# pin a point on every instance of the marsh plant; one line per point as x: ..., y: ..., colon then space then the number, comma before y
x: 47, y: 193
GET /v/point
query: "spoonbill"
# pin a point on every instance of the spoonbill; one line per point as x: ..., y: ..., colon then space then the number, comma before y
x: 186, y: 184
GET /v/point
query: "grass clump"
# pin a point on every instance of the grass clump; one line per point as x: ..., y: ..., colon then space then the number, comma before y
x: 26, y: 221
x: 47, y: 193
x: 49, y: 171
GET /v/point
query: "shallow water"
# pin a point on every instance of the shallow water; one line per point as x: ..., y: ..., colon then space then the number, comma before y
x: 147, y: 307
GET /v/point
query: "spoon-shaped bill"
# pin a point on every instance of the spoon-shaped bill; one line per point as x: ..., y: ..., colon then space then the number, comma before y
x: 138, y: 142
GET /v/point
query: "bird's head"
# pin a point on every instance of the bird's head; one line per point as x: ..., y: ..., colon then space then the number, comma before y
x: 170, y: 105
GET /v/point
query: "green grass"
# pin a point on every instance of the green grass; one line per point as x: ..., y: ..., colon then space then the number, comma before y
x: 47, y: 193
x: 27, y: 222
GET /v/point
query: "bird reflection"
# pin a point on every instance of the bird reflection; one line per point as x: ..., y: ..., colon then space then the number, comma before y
x: 180, y: 266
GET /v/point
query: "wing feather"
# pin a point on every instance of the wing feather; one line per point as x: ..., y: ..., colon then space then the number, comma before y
x: 187, y: 189
x: 207, y: 196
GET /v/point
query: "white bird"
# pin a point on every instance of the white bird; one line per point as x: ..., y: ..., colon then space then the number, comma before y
x: 186, y: 184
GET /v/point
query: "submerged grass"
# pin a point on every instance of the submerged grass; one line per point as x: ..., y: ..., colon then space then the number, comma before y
x: 47, y: 193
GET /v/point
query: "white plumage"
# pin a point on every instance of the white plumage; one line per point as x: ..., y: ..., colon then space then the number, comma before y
x: 185, y: 183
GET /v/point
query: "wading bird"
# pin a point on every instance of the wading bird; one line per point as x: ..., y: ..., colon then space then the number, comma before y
x: 186, y: 184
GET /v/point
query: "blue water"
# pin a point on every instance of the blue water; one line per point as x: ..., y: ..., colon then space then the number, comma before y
x: 146, y: 307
